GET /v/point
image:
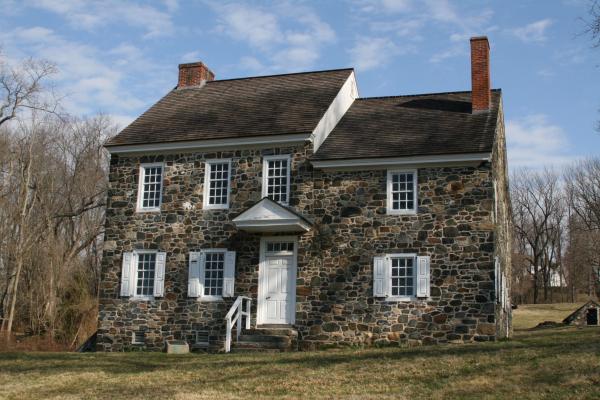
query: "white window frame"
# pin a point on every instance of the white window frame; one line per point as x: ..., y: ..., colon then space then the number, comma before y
x: 388, y: 262
x: 140, y: 194
x: 390, y: 202
x: 207, y: 166
x: 202, y: 296
x: 134, y: 277
x: 266, y: 159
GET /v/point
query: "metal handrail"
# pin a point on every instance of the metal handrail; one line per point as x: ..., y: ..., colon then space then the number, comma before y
x: 234, y: 316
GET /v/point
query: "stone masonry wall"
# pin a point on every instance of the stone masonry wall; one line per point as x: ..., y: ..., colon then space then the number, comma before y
x: 334, y: 284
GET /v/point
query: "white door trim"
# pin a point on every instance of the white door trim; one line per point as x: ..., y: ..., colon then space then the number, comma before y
x: 291, y: 309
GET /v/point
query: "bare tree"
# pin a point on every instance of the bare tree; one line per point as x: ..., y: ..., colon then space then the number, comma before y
x: 24, y: 87
x: 538, y: 209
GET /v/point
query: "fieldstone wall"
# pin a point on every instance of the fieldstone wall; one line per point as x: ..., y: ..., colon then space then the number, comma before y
x: 334, y: 285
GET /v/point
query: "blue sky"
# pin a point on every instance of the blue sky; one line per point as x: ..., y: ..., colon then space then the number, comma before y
x: 119, y: 57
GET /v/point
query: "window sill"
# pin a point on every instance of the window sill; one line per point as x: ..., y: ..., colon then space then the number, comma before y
x: 401, y: 299
x: 403, y: 212
x: 214, y: 207
x: 210, y: 299
x: 141, y: 298
x: 147, y: 210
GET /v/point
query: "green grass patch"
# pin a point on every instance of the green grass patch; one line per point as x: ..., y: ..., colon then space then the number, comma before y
x: 548, y: 364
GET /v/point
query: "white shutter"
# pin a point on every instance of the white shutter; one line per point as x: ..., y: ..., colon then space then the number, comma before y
x: 423, y: 276
x: 159, y: 274
x: 497, y: 278
x: 229, y: 274
x: 194, y: 275
x: 380, y: 281
x: 126, y: 278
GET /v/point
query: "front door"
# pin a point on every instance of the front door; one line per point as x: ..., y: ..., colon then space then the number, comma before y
x: 277, y: 281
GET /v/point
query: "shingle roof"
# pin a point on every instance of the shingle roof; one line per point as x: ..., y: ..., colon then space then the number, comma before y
x: 428, y: 124
x: 246, y: 107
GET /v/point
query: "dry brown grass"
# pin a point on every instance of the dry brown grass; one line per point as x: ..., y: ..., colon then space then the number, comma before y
x: 527, y: 316
x: 547, y: 364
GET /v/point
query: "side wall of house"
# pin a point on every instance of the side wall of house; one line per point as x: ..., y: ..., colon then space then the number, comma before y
x: 453, y: 226
x: 503, y: 230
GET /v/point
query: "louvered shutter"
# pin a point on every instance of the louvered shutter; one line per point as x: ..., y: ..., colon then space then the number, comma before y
x: 159, y: 274
x: 497, y: 280
x: 229, y: 274
x: 380, y: 281
x: 423, y: 276
x: 126, y: 278
x: 194, y: 275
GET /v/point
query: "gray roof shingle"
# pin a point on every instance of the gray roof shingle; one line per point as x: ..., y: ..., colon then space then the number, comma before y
x: 245, y: 107
x: 428, y: 124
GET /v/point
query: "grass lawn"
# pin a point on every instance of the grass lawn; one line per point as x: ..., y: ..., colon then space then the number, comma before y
x: 529, y: 315
x: 544, y: 364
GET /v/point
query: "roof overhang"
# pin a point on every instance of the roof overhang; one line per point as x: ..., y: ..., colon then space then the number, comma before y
x: 211, y: 144
x: 269, y: 216
x: 466, y: 159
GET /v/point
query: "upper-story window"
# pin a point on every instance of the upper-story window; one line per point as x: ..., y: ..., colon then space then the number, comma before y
x: 276, y: 178
x: 216, y: 184
x: 150, y: 187
x: 402, y: 192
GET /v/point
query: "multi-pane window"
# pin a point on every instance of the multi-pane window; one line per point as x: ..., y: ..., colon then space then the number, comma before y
x: 216, y: 189
x: 280, y: 246
x: 214, y: 266
x: 150, y: 189
x: 276, y: 178
x: 402, y: 275
x: 146, y: 264
x: 402, y: 192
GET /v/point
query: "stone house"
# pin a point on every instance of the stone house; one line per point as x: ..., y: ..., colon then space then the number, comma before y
x: 287, y: 212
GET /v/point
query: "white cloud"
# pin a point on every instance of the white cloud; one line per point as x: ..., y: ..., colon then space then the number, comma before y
x: 386, y: 6
x: 89, y: 16
x: 91, y: 80
x: 534, y: 141
x: 290, y: 37
x: 534, y: 32
x: 191, y: 56
x: 373, y: 52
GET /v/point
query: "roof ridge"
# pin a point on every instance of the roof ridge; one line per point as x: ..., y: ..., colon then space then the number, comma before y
x: 420, y: 94
x: 286, y: 74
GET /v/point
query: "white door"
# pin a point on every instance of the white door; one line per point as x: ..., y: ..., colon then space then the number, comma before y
x: 277, y: 278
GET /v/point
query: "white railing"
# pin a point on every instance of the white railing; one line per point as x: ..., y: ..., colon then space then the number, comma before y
x: 234, y: 316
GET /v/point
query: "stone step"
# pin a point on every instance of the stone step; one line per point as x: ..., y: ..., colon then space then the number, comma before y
x: 261, y: 345
x: 271, y: 331
x: 265, y: 338
x: 253, y: 350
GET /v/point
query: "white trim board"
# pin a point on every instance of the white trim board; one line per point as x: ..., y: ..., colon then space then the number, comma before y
x: 406, y: 162
x: 212, y: 144
x: 336, y: 110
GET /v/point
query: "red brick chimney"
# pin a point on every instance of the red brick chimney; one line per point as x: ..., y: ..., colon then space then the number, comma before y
x: 194, y: 74
x: 480, y: 74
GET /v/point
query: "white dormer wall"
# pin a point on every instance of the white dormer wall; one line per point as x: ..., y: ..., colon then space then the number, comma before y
x: 338, y: 107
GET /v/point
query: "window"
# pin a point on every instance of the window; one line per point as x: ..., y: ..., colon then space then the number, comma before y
x: 276, y: 178
x: 138, y: 337
x: 216, y: 184
x: 146, y: 265
x: 402, y: 192
x: 214, y: 266
x: 143, y: 274
x: 401, y: 277
x: 276, y: 247
x: 150, y: 187
x: 403, y: 272
x: 211, y: 274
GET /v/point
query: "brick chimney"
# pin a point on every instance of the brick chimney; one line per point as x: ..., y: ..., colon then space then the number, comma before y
x: 194, y: 74
x: 481, y: 96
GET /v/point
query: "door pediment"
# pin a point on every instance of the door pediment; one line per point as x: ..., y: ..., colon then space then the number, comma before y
x: 270, y: 216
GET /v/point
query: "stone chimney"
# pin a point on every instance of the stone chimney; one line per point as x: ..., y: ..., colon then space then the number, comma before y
x: 481, y: 96
x: 194, y: 74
